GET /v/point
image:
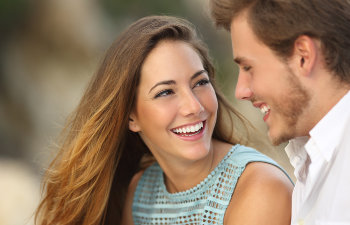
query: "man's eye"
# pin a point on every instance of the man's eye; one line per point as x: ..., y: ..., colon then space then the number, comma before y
x: 246, y: 68
x: 164, y: 93
x: 202, y: 82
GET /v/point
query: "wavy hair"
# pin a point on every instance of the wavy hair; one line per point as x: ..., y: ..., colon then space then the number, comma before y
x: 87, y: 180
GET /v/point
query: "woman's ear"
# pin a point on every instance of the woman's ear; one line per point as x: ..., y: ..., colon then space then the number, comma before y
x: 305, y: 54
x: 133, y: 124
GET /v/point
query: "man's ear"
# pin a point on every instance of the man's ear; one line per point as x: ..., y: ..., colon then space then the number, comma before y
x: 133, y: 124
x: 305, y: 54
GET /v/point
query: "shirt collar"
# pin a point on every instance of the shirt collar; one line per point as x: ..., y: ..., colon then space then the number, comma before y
x: 325, y: 135
x: 298, y: 156
x: 328, y: 132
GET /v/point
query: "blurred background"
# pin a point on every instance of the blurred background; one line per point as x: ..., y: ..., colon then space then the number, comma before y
x: 49, y: 49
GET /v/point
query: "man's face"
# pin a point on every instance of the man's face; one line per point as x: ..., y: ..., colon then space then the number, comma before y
x: 269, y: 83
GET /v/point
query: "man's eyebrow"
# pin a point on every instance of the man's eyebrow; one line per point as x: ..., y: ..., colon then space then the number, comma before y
x: 168, y: 82
x: 239, y: 60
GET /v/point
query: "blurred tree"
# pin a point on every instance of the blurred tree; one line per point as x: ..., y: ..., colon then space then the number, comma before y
x: 118, y: 9
x: 13, y: 15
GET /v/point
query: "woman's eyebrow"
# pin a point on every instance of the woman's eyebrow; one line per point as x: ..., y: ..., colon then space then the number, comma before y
x: 168, y: 82
x: 198, y: 73
x: 165, y: 82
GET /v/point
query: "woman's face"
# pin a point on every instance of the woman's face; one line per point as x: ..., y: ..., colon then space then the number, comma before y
x: 176, y: 106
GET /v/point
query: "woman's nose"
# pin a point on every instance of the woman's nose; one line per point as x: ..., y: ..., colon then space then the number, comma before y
x: 191, y: 104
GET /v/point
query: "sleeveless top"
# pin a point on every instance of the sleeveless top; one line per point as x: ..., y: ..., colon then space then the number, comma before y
x: 205, y: 203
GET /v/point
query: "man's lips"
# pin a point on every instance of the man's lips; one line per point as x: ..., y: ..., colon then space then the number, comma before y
x: 264, y: 109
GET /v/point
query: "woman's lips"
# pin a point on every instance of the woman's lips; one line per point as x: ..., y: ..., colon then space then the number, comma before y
x: 190, y: 132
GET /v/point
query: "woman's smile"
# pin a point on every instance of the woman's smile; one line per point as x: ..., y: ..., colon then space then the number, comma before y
x: 190, y: 132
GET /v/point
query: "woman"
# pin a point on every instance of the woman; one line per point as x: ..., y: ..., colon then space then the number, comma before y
x: 149, y: 132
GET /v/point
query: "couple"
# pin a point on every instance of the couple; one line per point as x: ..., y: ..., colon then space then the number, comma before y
x: 150, y: 143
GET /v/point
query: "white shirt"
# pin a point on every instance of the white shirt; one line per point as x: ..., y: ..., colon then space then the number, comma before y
x: 322, y: 167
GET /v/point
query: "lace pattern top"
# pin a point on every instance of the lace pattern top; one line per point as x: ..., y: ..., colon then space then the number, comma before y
x: 205, y: 203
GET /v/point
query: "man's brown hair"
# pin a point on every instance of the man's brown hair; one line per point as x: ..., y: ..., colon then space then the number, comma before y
x: 278, y: 23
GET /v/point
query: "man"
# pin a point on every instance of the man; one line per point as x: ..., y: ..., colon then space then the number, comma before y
x: 294, y: 60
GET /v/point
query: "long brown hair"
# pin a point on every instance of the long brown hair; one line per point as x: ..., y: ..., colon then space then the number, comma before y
x: 86, y: 183
x: 278, y: 23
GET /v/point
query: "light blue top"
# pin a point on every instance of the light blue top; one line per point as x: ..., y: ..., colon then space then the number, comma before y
x: 206, y: 203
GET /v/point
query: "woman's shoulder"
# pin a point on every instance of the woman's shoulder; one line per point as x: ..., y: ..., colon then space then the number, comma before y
x: 262, y: 196
x: 238, y: 154
x: 242, y: 155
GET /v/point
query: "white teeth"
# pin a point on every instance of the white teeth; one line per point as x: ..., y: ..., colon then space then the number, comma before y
x: 197, y: 127
x: 189, y: 129
x: 264, y: 109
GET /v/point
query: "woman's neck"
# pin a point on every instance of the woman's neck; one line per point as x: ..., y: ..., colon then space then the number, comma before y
x: 183, y: 176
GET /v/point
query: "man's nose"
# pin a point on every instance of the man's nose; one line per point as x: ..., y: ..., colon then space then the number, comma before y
x: 243, y: 89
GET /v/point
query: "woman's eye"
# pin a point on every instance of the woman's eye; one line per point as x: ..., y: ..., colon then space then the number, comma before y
x: 164, y: 93
x: 202, y: 82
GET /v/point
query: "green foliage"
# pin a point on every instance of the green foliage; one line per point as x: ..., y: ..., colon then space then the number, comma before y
x: 12, y: 12
x: 117, y: 9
